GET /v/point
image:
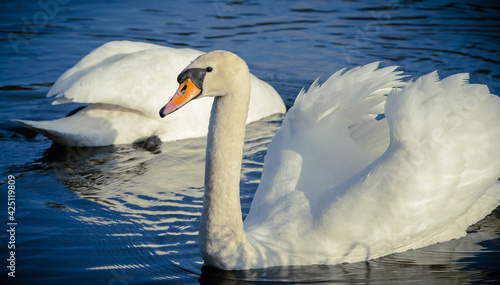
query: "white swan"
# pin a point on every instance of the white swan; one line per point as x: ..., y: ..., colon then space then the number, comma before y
x: 125, y: 83
x: 339, y: 183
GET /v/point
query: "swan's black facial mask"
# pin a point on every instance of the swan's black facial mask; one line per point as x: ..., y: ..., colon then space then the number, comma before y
x: 190, y: 87
x: 197, y: 75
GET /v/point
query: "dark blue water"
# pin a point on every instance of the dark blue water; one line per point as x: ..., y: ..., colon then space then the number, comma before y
x: 123, y: 215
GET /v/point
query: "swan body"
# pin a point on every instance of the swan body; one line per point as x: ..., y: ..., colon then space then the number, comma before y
x: 124, y: 84
x: 341, y: 183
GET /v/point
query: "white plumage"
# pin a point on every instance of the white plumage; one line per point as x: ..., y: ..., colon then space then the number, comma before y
x: 327, y: 183
x: 341, y: 183
x: 125, y: 84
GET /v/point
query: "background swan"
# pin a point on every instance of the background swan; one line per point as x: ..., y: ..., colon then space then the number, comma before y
x: 339, y: 183
x: 125, y: 83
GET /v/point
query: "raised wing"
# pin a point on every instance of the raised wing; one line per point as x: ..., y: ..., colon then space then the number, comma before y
x: 332, y: 132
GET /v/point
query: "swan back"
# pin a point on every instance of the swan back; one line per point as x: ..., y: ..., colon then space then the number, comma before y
x: 331, y: 192
x: 125, y: 83
x: 128, y: 74
x: 137, y: 76
x: 438, y: 176
x: 331, y: 133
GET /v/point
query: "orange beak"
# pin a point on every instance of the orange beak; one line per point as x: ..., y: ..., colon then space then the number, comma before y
x: 186, y: 92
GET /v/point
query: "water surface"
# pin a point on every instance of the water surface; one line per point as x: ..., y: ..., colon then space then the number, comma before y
x: 123, y: 215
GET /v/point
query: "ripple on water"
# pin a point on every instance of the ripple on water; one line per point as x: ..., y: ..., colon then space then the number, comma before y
x: 122, y: 215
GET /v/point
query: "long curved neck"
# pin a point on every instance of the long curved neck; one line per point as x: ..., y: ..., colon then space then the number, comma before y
x: 222, y: 237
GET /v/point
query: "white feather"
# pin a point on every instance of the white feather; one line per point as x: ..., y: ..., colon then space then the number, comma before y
x: 126, y: 83
x: 335, y: 190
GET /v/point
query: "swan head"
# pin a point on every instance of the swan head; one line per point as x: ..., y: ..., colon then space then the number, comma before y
x: 210, y: 75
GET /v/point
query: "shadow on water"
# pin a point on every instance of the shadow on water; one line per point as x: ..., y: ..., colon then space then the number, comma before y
x: 124, y: 215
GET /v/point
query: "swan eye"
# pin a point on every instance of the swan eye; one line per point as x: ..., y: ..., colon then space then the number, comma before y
x: 209, y: 69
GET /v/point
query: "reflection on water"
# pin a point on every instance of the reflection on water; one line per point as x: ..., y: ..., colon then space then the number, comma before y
x: 124, y: 215
x: 140, y: 208
x: 134, y: 214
